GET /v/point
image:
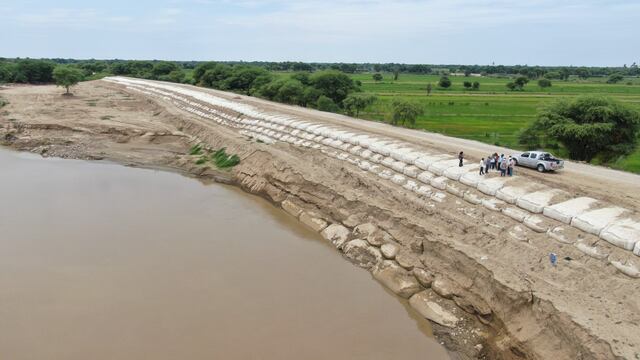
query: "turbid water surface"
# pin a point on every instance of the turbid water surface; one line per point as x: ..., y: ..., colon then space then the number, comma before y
x: 99, y: 261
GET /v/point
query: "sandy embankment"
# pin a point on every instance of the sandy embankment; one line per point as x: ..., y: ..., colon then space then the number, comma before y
x: 482, y: 275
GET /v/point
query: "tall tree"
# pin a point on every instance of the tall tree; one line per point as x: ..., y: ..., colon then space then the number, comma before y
x: 544, y: 83
x: 333, y: 84
x: 583, y: 73
x: 429, y: 89
x: 590, y: 126
x: 615, y: 78
x: 67, y: 76
x: 444, y: 82
x: 405, y: 111
x: 354, y: 103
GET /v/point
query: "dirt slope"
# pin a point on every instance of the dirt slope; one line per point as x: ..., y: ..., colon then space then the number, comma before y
x: 583, y: 308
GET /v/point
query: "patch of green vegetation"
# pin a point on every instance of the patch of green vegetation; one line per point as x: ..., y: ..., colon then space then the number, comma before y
x: 106, y: 117
x: 201, y: 160
x: 196, y: 150
x: 219, y: 158
x: 222, y: 160
x: 491, y: 114
x: 3, y: 102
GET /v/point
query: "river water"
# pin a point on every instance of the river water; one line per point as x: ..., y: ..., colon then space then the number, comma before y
x: 99, y: 261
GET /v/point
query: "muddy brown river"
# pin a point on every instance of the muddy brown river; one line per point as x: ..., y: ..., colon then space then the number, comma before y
x: 99, y: 261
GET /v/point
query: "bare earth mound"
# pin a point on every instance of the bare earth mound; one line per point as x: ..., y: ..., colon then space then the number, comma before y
x: 470, y: 254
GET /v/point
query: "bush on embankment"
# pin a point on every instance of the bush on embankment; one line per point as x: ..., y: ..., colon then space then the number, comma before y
x: 219, y: 158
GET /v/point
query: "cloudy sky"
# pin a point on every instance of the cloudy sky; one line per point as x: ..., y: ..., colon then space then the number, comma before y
x: 533, y: 32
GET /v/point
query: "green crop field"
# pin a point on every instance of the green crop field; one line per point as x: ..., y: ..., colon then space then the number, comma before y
x: 492, y: 114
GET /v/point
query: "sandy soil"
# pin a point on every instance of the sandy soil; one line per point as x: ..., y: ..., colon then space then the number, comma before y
x: 583, y: 308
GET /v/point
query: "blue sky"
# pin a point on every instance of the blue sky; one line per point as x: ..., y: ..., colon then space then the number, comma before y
x: 533, y: 32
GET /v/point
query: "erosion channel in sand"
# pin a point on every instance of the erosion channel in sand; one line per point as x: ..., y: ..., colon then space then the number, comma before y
x: 101, y: 261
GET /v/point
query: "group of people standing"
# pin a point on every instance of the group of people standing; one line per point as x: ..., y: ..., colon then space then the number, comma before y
x: 494, y: 162
x: 500, y: 163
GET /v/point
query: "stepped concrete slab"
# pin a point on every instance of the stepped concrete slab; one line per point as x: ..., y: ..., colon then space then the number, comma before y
x: 511, y: 194
x: 515, y: 213
x: 567, y: 210
x: 537, y: 201
x: 538, y: 223
x: 595, y: 252
x: 472, y: 178
x: 424, y: 190
x: 492, y: 185
x: 411, y: 171
x: 424, y: 162
x: 426, y: 177
x: 388, y: 162
x: 472, y: 197
x: 595, y: 221
x: 411, y: 185
x: 439, y: 182
x: 627, y: 268
x: 398, y: 179
x: 398, y: 166
x: 560, y: 234
x: 455, y: 188
x: 494, y: 204
x: 455, y: 172
x: 623, y: 233
x: 439, y: 167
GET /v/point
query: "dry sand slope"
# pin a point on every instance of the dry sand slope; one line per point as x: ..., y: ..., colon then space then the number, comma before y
x: 470, y: 253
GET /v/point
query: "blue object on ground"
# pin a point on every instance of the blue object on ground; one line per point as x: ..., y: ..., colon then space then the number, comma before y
x: 553, y: 258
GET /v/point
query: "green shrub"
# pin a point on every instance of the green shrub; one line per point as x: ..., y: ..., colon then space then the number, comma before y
x: 195, y: 149
x: 222, y: 160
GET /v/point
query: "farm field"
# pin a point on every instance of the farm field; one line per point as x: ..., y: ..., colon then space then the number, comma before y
x: 492, y: 114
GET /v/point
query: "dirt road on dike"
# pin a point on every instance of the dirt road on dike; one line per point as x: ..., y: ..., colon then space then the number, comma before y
x: 486, y: 269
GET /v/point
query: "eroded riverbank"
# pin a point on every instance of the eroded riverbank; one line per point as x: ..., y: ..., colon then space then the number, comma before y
x: 486, y: 272
x: 106, y: 262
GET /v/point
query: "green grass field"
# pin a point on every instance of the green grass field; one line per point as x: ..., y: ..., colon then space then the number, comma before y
x: 492, y: 114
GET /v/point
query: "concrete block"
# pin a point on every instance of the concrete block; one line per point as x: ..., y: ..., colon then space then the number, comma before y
x: 472, y: 178
x: 511, y: 194
x: 594, y: 221
x: 439, y: 182
x: 426, y: 177
x: 411, y: 171
x: 515, y: 213
x: 424, y: 162
x: 623, y: 233
x: 538, y: 200
x: 455, y: 172
x: 439, y: 167
x: 398, y: 166
x: 567, y: 210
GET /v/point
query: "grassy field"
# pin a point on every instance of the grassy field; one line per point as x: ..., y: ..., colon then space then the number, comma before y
x: 491, y: 114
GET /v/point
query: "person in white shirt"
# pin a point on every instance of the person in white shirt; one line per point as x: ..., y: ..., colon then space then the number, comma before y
x: 482, y: 165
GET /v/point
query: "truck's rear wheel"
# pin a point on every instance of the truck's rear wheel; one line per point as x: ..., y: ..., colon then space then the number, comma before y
x: 541, y: 168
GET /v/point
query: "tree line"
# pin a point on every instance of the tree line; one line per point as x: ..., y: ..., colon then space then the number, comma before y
x: 40, y: 71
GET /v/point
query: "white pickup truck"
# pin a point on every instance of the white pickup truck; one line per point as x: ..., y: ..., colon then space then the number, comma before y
x: 540, y: 160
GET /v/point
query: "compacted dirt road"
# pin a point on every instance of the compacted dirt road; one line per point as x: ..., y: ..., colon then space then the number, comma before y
x: 612, y: 184
x: 469, y: 253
